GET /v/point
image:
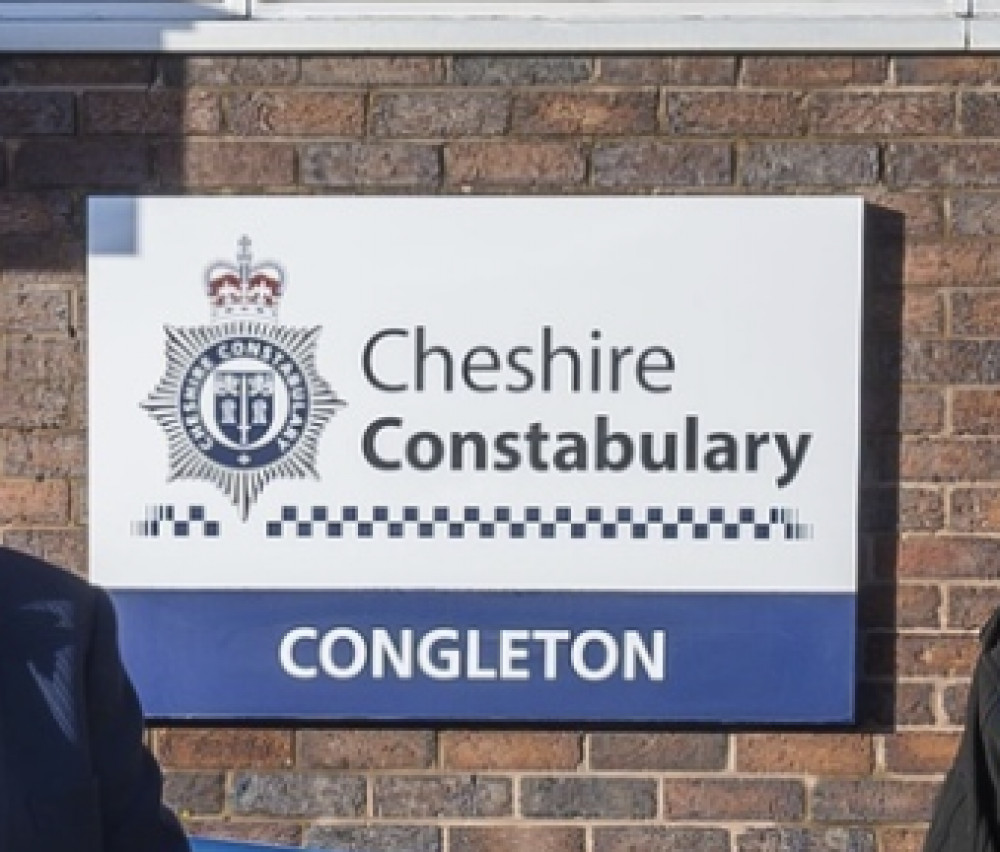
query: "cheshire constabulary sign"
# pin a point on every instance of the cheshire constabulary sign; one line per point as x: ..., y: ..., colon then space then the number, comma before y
x: 551, y: 459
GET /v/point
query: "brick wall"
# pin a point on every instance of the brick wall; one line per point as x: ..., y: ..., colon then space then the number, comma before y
x: 916, y: 135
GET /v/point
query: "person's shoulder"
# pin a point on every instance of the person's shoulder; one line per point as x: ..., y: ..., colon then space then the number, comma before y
x: 22, y: 574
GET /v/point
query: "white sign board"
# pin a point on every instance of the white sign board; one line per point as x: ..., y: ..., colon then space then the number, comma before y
x: 473, y: 457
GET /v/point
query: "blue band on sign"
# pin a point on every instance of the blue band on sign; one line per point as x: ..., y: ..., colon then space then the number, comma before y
x: 532, y: 656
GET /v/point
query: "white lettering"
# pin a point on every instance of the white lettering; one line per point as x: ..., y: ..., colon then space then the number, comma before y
x: 359, y: 653
x: 450, y: 663
x: 550, y: 640
x: 579, y: 655
x: 512, y: 654
x: 286, y: 653
x: 399, y: 656
x: 653, y: 661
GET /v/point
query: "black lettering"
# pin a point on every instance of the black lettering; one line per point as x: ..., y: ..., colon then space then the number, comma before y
x: 606, y: 440
x: 643, y: 366
x: 459, y: 440
x: 548, y: 356
x: 366, y: 360
x: 421, y: 355
x: 368, y: 443
x: 572, y: 455
x: 515, y: 364
x: 535, y: 438
x: 511, y: 457
x: 433, y: 442
x: 469, y: 366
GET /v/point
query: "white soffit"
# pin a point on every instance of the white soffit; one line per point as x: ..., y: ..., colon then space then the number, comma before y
x: 398, y: 25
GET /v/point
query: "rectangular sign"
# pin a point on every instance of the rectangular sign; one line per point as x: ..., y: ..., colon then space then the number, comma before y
x: 479, y: 458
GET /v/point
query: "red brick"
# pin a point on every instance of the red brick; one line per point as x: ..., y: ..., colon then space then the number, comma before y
x: 45, y: 453
x: 28, y: 501
x: 921, y: 314
x: 928, y: 69
x: 969, y: 607
x: 381, y: 164
x: 510, y: 750
x: 159, y: 111
x: 453, y: 112
x: 888, y: 704
x: 660, y: 752
x: 954, y: 700
x: 950, y: 361
x: 734, y: 113
x: 506, y: 838
x: 920, y: 509
x: 910, y: 410
x: 944, y: 557
x: 28, y: 113
x: 510, y: 164
x: 216, y: 71
x: 974, y: 214
x: 590, y: 112
x: 942, y: 164
x: 189, y: 793
x: 975, y: 510
x: 920, y: 655
x: 951, y: 263
x: 424, y: 797
x: 903, y: 606
x: 34, y: 311
x: 896, y: 839
x: 809, y: 164
x: 975, y: 313
x: 881, y: 113
x: 247, y: 830
x: 814, y: 71
x: 869, y: 800
x: 59, y: 162
x: 817, y: 754
x: 365, y: 749
x: 35, y: 357
x: 76, y: 71
x: 29, y: 264
x: 243, y: 164
x: 838, y: 839
x: 693, y: 70
x: 211, y: 748
x: 660, y: 839
x: 979, y: 114
x: 528, y: 69
x: 975, y: 411
x: 909, y: 509
x: 920, y: 751
x: 923, y: 212
x: 372, y: 70
x: 637, y: 164
x: 290, y: 112
x: 31, y: 404
x: 721, y: 799
x: 944, y: 460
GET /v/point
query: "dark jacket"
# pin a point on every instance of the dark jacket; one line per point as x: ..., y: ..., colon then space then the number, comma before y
x: 74, y: 773
x: 966, y: 814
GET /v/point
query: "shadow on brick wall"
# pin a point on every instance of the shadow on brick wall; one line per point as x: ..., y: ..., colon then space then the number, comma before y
x: 881, y: 703
x: 70, y: 126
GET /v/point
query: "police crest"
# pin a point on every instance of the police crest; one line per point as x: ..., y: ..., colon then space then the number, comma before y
x: 241, y: 401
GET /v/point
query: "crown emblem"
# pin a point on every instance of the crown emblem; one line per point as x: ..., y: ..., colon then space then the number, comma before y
x: 244, y: 291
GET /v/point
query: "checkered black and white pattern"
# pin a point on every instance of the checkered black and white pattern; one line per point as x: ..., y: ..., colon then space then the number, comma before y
x: 534, y: 522
x: 166, y: 521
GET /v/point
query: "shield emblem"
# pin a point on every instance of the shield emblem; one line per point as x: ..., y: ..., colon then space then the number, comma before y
x: 244, y: 405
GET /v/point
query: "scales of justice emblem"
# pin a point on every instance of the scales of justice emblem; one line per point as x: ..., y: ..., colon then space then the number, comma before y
x: 241, y: 401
